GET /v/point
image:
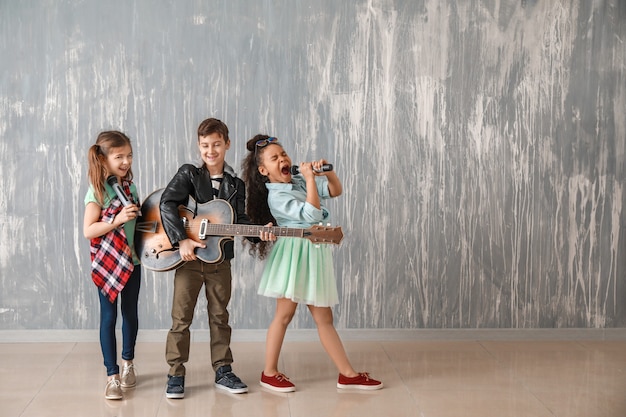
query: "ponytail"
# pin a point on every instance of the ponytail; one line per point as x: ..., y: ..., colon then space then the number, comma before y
x: 97, y: 172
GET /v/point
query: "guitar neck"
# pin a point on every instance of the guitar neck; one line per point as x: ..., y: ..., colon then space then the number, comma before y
x: 247, y: 230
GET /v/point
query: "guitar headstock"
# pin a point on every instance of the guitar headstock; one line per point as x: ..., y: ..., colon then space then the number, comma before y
x: 324, y: 234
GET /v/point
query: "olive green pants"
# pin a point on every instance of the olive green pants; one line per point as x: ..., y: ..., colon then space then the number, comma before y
x: 188, y: 281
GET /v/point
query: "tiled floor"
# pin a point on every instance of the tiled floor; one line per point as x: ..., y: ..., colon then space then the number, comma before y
x: 425, y: 378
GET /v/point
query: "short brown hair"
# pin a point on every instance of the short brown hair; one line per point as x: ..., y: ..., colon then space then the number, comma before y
x: 212, y: 125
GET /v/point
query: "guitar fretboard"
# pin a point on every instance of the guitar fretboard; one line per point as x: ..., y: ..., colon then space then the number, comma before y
x: 214, y: 229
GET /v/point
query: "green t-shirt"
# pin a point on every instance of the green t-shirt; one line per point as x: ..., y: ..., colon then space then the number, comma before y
x: 129, y: 227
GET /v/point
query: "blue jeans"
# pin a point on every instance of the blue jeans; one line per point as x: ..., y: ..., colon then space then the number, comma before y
x: 130, y: 323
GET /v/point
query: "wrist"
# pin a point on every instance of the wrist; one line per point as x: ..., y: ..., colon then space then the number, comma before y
x: 117, y: 222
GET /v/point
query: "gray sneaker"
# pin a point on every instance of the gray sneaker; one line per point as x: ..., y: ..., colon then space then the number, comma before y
x: 175, y: 387
x: 226, y: 379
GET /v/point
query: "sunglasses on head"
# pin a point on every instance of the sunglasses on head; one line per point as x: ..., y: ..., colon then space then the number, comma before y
x: 264, y: 142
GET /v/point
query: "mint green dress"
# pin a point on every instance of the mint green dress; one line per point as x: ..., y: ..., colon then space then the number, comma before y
x: 296, y: 268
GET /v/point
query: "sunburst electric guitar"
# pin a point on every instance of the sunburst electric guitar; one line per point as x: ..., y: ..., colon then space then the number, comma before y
x: 212, y: 225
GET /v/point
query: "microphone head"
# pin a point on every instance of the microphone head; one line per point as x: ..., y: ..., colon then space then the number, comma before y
x: 295, y: 170
x: 111, y: 180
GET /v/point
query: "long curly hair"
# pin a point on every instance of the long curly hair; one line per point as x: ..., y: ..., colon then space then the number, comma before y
x: 257, y: 207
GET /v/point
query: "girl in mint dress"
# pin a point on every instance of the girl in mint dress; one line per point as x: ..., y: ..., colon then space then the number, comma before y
x: 297, y: 270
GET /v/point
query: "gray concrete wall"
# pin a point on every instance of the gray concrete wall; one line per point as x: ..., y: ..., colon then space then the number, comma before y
x: 480, y: 143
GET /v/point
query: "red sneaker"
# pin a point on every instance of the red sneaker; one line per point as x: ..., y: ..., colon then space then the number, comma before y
x: 278, y: 382
x: 361, y: 381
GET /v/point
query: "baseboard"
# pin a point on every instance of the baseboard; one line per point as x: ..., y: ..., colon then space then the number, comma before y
x: 258, y: 335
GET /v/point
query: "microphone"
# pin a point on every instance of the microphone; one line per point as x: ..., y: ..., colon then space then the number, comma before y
x: 112, y: 180
x: 295, y: 170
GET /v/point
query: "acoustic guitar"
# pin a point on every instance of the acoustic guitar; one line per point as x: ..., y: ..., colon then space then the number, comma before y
x: 213, y: 226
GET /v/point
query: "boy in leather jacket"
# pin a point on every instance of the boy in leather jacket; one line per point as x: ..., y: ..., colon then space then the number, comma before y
x: 214, y: 179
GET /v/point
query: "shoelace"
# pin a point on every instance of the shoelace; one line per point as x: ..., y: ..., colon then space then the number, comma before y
x: 126, y: 369
x: 115, y: 382
x: 281, y: 377
x: 365, y: 375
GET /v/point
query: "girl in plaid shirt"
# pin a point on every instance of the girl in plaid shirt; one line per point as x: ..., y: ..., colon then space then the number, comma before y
x: 115, y: 270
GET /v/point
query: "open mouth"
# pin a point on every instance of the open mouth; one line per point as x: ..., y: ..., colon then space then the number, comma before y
x: 285, y: 170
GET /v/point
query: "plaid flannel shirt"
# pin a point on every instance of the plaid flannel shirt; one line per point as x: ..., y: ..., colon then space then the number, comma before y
x: 111, y: 257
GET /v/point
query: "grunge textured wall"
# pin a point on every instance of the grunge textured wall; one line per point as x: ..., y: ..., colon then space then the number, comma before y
x: 480, y: 143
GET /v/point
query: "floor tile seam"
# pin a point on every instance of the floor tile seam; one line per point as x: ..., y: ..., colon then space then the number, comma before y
x: 47, y: 380
x: 582, y: 345
x: 399, y: 378
x: 518, y: 380
x: 162, y: 401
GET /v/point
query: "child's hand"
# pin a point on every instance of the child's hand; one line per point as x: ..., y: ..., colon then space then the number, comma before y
x: 306, y: 170
x: 267, y: 235
x: 317, y: 167
x: 187, y: 247
x: 127, y: 213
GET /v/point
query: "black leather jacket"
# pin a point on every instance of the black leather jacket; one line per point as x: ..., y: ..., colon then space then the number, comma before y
x: 196, y: 182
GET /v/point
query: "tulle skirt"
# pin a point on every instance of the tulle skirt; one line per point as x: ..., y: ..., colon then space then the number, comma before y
x: 302, y: 271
